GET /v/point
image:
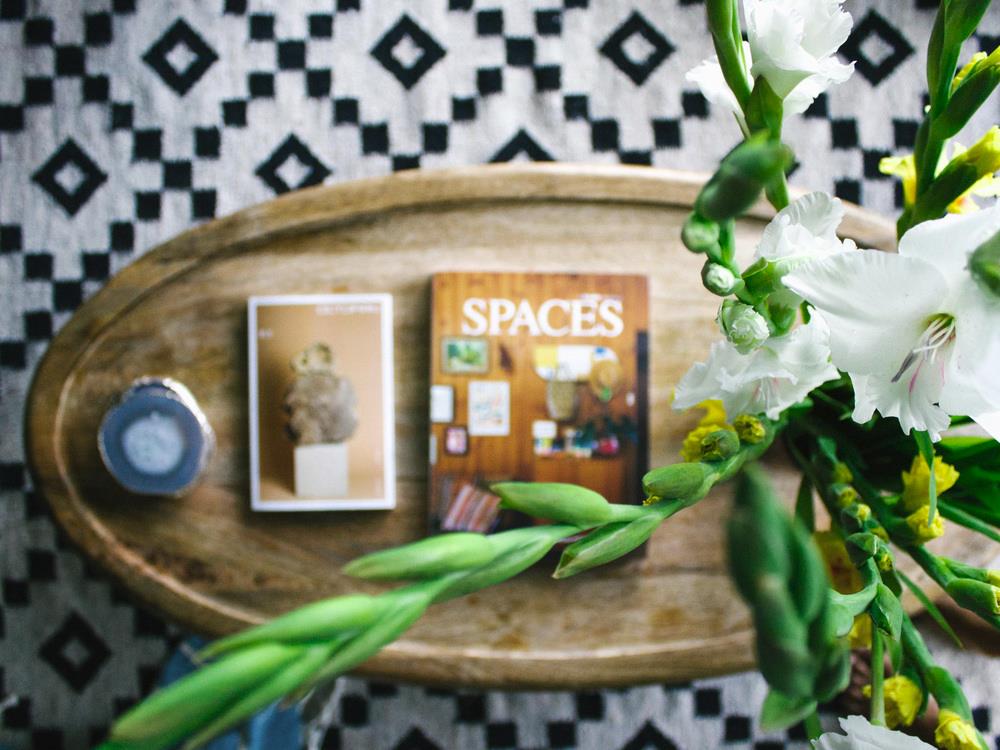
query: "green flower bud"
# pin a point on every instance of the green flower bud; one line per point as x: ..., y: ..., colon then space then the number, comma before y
x: 606, y: 544
x: 855, y: 517
x: 861, y: 547
x: 718, y: 279
x: 984, y: 264
x: 699, y: 235
x: 978, y: 596
x: 400, y: 609
x: 173, y: 712
x: 426, y: 558
x: 973, y: 86
x: 745, y: 328
x: 719, y: 445
x: 741, y: 177
x: 844, y: 494
x: 883, y: 557
x: 749, y: 429
x: 968, y: 571
x: 524, y: 548
x: 682, y: 481
x: 842, y: 473
x: 314, y: 622
x: 562, y: 503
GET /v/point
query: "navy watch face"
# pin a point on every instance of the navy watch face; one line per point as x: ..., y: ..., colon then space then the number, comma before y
x: 156, y: 441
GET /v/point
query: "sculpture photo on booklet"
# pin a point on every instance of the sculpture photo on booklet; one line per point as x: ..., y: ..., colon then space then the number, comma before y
x: 321, y: 402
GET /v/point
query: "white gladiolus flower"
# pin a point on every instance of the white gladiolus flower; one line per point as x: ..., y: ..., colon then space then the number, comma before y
x: 918, y: 335
x: 766, y: 381
x: 707, y: 76
x: 796, y: 40
x: 804, y: 230
x: 793, y: 45
x: 862, y: 735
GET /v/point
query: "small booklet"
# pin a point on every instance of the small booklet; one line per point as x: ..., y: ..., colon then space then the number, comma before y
x: 535, y: 377
x: 322, y: 419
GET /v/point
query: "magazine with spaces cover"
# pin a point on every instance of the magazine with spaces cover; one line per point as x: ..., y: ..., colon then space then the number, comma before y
x: 535, y: 377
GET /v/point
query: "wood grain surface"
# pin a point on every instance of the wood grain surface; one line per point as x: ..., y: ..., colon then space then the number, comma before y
x: 207, y: 561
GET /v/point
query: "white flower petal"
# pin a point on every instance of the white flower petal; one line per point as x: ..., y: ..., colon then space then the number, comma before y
x: 711, y: 82
x: 803, y: 230
x: 947, y: 243
x: 793, y: 42
x: 976, y: 355
x: 876, y: 305
x: 863, y: 735
x: 779, y: 374
x: 827, y: 26
x: 912, y: 400
x: 990, y: 422
x: 802, y: 96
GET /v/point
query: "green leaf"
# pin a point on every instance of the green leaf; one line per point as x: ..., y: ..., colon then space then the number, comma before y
x: 931, y: 607
x: 804, y: 508
x: 926, y: 447
x: 886, y: 612
x: 969, y: 521
x: 780, y: 712
x: 828, y: 447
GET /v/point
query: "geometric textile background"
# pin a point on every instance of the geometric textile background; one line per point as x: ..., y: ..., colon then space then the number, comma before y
x: 123, y: 123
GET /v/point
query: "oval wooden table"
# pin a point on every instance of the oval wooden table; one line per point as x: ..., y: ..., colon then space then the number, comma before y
x: 207, y: 561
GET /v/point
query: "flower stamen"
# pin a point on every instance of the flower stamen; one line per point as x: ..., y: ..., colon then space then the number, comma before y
x: 940, y: 332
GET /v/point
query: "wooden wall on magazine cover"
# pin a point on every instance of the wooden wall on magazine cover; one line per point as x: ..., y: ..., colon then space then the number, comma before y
x: 512, y: 456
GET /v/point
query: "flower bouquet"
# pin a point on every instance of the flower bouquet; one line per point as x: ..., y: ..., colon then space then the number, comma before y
x: 878, y: 372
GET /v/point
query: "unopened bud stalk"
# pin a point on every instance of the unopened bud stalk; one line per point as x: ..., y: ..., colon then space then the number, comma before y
x: 313, y: 622
x: 426, y: 558
x: 563, y: 503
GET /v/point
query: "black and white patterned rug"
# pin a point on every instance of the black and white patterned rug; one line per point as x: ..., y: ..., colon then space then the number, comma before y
x: 124, y: 122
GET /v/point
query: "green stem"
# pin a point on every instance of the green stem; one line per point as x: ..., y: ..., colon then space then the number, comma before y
x: 931, y: 565
x: 813, y: 728
x: 878, y: 678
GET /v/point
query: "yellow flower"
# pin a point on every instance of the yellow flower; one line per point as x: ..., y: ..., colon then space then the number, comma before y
x: 842, y: 473
x: 861, y: 632
x: 903, y: 167
x: 749, y: 428
x: 691, y: 447
x: 846, y: 496
x: 843, y: 574
x: 714, y: 419
x: 955, y: 733
x: 715, y: 412
x: 903, y: 699
x: 983, y: 154
x: 917, y: 482
x: 962, y: 74
x: 917, y: 521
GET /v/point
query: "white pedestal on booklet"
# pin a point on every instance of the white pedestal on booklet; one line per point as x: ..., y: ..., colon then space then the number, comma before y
x: 321, y: 470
